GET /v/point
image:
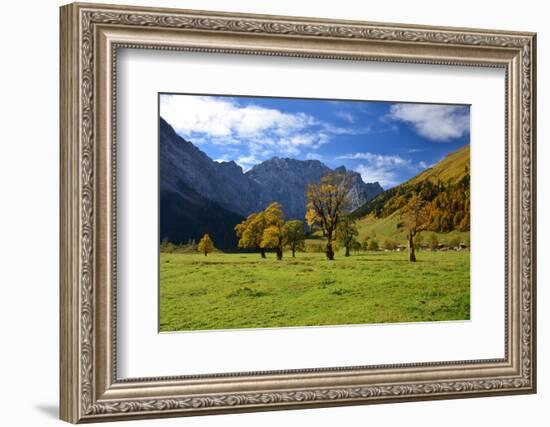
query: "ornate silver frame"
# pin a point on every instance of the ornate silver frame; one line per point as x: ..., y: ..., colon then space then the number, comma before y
x: 90, y: 36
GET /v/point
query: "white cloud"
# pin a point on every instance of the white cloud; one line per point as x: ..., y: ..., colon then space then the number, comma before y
x: 386, y: 169
x: 314, y: 156
x: 379, y: 167
x: 378, y: 160
x: 246, y: 162
x: 289, y: 150
x: 337, y: 130
x: 370, y: 173
x: 307, y: 140
x: 255, y: 131
x: 348, y: 117
x: 219, y: 117
x: 223, y: 121
x: 435, y: 122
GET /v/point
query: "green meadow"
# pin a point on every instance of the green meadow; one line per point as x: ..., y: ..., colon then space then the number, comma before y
x: 227, y: 291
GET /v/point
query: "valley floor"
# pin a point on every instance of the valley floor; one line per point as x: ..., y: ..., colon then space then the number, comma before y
x: 227, y: 291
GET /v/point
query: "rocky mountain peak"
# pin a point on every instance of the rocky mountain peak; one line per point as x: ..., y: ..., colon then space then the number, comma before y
x: 185, y: 167
x: 231, y: 165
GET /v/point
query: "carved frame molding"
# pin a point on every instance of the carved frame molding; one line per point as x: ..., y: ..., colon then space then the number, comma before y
x: 90, y: 36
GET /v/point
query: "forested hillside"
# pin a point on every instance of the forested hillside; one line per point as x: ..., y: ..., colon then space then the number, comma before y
x: 445, y: 189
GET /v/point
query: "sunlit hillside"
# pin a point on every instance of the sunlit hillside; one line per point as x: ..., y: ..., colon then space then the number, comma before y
x: 445, y: 187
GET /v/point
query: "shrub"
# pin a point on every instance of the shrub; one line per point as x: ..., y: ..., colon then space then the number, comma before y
x: 433, y: 242
x: 390, y: 244
x: 166, y: 246
x: 454, y: 241
x: 355, y: 247
x: 373, y: 245
x: 315, y: 247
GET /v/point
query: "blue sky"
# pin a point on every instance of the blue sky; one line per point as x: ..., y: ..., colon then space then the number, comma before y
x: 387, y: 142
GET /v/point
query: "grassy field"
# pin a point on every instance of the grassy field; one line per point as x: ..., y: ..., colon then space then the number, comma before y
x: 226, y: 291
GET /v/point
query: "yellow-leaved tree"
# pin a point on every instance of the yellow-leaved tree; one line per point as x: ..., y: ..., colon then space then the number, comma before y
x: 416, y: 217
x: 346, y: 231
x: 294, y: 235
x: 250, y: 232
x: 274, y: 232
x: 206, y: 245
x: 327, y: 201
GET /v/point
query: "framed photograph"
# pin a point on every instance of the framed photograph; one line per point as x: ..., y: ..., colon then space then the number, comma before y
x: 265, y: 212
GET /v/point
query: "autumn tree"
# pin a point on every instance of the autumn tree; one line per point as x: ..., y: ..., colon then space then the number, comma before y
x: 373, y: 245
x: 274, y: 233
x: 250, y: 232
x: 294, y: 235
x: 390, y: 244
x: 327, y: 201
x: 355, y: 246
x: 206, y: 245
x: 447, y: 202
x: 365, y: 243
x: 346, y: 231
x: 416, y: 218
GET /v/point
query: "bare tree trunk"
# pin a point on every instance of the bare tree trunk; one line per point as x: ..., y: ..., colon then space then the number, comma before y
x: 347, y: 250
x: 293, y: 251
x: 262, y: 252
x: 280, y: 249
x: 412, y: 256
x: 330, y: 252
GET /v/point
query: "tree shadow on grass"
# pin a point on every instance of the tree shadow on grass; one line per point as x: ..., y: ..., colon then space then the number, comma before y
x: 389, y: 260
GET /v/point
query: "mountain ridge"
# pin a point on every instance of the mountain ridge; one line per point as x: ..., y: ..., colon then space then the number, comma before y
x: 192, y: 183
x: 285, y: 180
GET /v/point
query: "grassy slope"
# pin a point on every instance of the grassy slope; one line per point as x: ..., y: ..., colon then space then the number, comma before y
x: 386, y: 228
x: 225, y: 291
x: 451, y: 168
